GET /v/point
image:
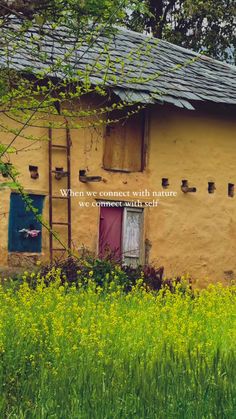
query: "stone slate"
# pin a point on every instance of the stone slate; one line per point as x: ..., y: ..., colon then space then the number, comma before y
x: 136, y: 67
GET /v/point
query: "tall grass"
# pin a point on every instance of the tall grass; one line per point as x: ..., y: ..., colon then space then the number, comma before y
x: 85, y: 354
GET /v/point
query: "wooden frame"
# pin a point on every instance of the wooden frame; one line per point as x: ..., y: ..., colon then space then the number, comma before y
x: 145, y: 140
x: 124, y: 226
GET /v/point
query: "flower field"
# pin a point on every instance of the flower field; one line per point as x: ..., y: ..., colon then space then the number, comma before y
x: 69, y: 353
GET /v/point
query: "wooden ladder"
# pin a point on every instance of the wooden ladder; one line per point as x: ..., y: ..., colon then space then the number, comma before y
x: 52, y: 197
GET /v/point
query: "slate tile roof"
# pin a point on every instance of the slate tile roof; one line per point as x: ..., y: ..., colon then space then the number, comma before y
x: 137, y: 67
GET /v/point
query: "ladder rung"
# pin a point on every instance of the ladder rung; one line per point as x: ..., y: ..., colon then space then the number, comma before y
x: 59, y: 249
x: 60, y: 146
x: 61, y: 224
x: 60, y: 197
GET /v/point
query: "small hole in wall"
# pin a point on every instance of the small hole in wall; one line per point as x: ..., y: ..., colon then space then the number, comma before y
x: 231, y: 190
x: 211, y: 187
x: 165, y: 182
x: 59, y: 172
x: 185, y: 187
x: 34, y: 172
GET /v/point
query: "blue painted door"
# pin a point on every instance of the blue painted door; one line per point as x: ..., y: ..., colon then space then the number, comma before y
x: 19, y: 219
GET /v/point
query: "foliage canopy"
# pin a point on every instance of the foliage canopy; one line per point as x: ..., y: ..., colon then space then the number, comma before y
x: 207, y: 25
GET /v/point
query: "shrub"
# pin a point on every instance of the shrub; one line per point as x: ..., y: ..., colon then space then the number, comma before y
x: 105, y: 272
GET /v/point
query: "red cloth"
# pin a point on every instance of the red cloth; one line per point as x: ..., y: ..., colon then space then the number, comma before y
x: 33, y: 233
x: 110, y: 232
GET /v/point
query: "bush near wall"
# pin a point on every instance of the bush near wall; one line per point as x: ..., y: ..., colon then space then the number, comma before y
x: 106, y: 272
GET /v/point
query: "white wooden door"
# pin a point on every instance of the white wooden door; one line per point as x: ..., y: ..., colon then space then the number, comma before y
x: 132, y: 233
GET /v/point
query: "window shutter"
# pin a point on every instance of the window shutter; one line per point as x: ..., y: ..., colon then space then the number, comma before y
x: 20, y: 219
x: 110, y: 232
x: 132, y: 236
x: 123, y: 143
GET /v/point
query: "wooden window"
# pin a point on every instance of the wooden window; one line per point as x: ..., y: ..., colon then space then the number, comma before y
x: 25, y: 232
x: 123, y: 149
x: 121, y: 234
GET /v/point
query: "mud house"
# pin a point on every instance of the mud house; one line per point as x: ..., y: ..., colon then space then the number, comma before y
x: 157, y: 187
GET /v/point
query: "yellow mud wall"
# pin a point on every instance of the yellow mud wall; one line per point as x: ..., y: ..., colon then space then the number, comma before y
x: 191, y: 233
x: 194, y: 233
x: 28, y: 152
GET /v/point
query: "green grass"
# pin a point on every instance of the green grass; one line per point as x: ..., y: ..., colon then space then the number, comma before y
x: 82, y: 354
